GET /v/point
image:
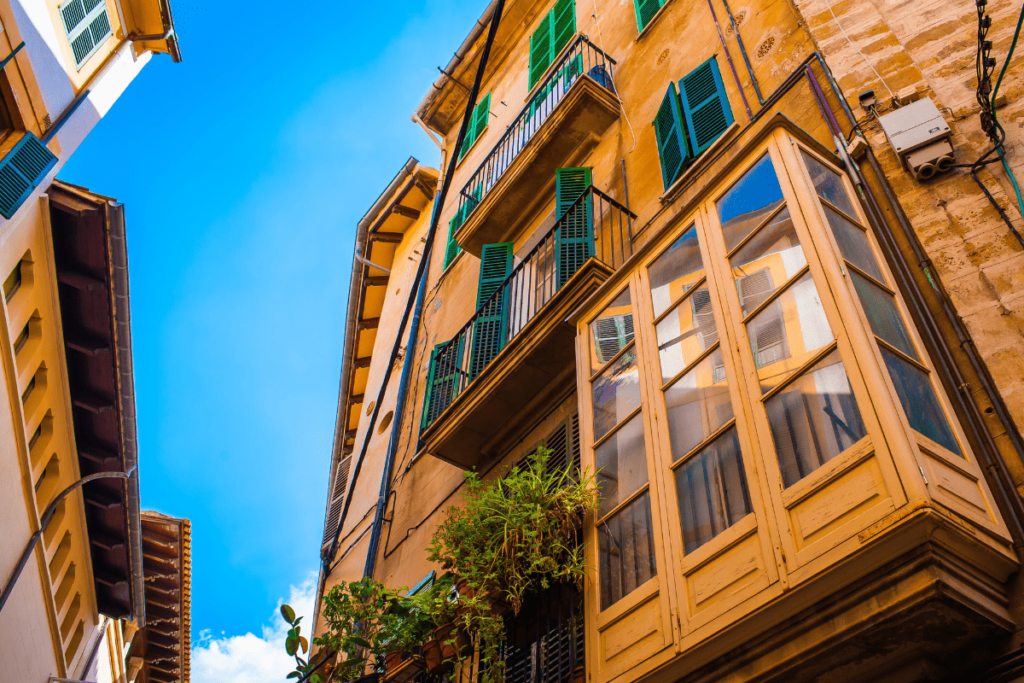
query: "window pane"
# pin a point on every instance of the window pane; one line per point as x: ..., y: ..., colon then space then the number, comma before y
x: 616, y: 393
x: 621, y: 464
x: 685, y: 333
x: 884, y: 317
x: 626, y: 551
x: 814, y: 419
x: 712, y: 491
x: 785, y: 333
x: 749, y: 202
x: 612, y: 330
x: 829, y: 185
x: 920, y: 402
x: 675, y: 271
x: 853, y: 244
x: 767, y: 261
x: 697, y: 405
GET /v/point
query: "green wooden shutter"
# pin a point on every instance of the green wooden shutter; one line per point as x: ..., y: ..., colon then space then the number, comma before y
x: 563, y: 22
x: 478, y: 121
x: 21, y: 171
x: 540, y: 50
x: 668, y: 127
x: 490, y: 330
x: 442, y: 380
x: 645, y: 11
x: 575, y: 230
x: 87, y: 26
x: 705, y: 105
x: 453, y: 249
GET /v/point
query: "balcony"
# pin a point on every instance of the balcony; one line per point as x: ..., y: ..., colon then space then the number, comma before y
x: 517, y: 352
x: 569, y: 111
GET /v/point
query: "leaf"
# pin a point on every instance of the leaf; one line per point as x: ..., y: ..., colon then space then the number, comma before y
x: 303, y: 643
x: 288, y: 613
x: 294, y: 674
x: 359, y: 641
x: 291, y: 645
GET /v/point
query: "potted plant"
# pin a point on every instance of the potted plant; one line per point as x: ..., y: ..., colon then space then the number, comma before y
x: 511, y: 537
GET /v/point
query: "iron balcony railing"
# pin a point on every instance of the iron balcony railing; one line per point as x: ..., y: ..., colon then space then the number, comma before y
x: 595, y: 225
x: 582, y: 58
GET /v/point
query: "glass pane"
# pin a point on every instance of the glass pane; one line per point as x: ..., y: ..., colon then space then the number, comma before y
x: 749, y: 202
x: 767, y: 261
x: 621, y: 464
x: 616, y: 393
x: 612, y: 330
x: 814, y: 419
x: 626, y: 551
x: 829, y: 185
x: 697, y: 405
x: 880, y: 307
x: 685, y: 333
x: 920, y: 402
x: 712, y: 491
x: 785, y: 333
x: 853, y: 244
x: 675, y: 271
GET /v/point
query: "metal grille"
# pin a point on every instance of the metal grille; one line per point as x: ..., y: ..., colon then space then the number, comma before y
x: 544, y: 642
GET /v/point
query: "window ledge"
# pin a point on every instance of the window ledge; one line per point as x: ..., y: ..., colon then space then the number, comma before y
x: 697, y: 167
x: 652, y: 22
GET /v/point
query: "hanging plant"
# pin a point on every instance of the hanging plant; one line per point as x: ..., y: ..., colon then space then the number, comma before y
x: 512, y: 537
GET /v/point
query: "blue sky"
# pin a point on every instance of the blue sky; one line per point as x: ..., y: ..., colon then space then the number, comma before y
x: 244, y: 170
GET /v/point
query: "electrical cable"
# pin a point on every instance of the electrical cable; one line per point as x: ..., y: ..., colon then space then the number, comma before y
x: 600, y: 42
x: 45, y: 519
x: 854, y: 45
x: 995, y: 118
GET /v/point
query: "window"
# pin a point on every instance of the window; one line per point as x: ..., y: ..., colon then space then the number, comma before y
x: 575, y: 232
x: 691, y: 118
x: 478, y: 122
x: 490, y: 331
x: 552, y: 34
x: 22, y: 339
x: 645, y: 11
x: 452, y: 249
x: 443, y: 380
x: 87, y: 26
x: 909, y: 375
x: 13, y: 281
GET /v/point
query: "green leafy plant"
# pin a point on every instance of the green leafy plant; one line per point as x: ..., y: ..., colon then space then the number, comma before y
x: 512, y: 537
x: 296, y: 642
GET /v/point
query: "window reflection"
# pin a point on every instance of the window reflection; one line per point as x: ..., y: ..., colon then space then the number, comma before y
x: 883, y: 316
x: 685, y: 333
x: 675, y: 271
x: 767, y: 261
x: 749, y: 202
x: 697, y: 405
x: 621, y: 465
x: 919, y: 401
x: 853, y: 244
x: 712, y: 491
x: 612, y: 329
x: 616, y: 393
x: 814, y: 419
x: 829, y: 185
x: 626, y: 551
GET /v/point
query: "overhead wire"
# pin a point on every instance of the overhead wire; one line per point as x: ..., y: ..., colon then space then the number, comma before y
x: 854, y: 45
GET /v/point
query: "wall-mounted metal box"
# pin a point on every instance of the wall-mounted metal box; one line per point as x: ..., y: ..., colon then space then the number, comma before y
x: 920, y: 137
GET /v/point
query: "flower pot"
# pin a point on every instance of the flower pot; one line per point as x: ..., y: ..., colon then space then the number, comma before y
x: 372, y: 678
x: 453, y: 650
x: 392, y: 659
x: 579, y: 675
x: 432, y: 655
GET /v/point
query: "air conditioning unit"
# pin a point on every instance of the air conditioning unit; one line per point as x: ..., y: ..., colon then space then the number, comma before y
x: 920, y: 137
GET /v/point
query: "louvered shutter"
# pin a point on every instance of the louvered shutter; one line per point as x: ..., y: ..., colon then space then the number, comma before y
x: 540, y: 50
x: 705, y: 105
x: 453, y: 249
x: 768, y: 340
x: 442, y: 380
x: 563, y: 22
x: 21, y: 171
x: 668, y: 127
x: 575, y: 230
x: 645, y: 11
x: 490, y: 331
x: 87, y: 26
x: 337, y: 498
x: 478, y: 121
x: 704, y: 318
x: 754, y: 289
x: 613, y: 333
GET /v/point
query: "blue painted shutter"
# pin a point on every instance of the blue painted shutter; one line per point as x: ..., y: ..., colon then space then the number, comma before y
x: 21, y: 171
x: 645, y: 11
x: 540, y: 50
x: 442, y: 380
x: 575, y: 230
x: 490, y: 331
x: 705, y: 105
x: 668, y: 127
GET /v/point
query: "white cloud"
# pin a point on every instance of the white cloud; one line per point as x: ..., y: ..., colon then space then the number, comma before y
x: 251, y: 658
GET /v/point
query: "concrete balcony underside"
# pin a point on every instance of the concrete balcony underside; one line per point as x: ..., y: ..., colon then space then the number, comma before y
x: 922, y: 592
x: 572, y: 129
x: 518, y: 387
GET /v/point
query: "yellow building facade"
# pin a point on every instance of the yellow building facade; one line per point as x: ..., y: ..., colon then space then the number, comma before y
x: 718, y: 252
x: 68, y: 404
